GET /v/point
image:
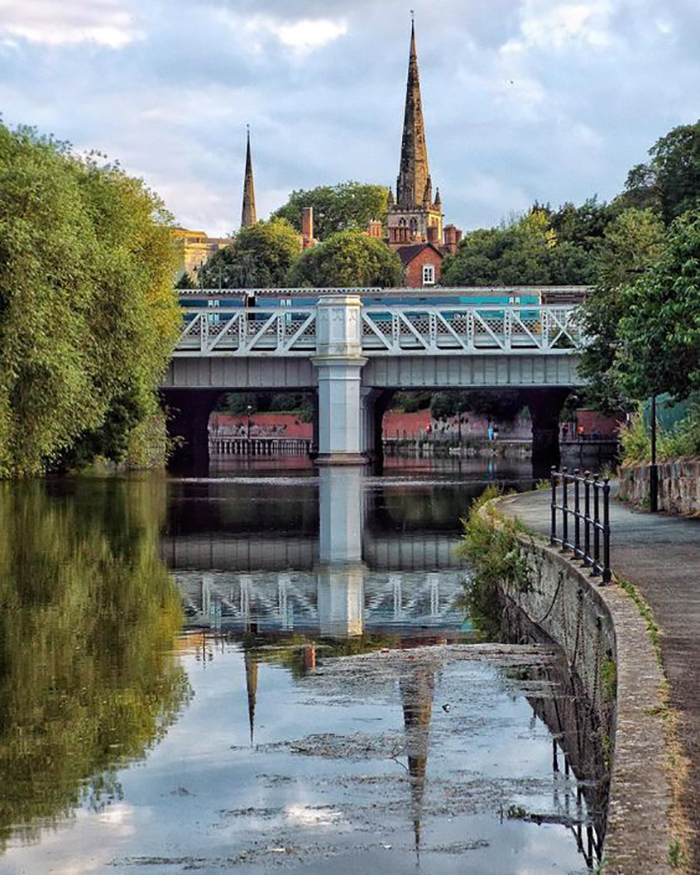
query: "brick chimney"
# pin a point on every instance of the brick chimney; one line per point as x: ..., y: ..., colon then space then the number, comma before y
x: 307, y: 228
x: 451, y: 239
x: 375, y: 229
x: 433, y: 231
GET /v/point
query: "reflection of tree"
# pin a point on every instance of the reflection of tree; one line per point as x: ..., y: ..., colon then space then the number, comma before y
x: 88, y: 679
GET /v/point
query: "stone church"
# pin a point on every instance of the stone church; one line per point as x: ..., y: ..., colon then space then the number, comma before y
x: 415, y: 220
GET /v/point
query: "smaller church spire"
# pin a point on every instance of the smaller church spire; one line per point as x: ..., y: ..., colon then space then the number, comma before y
x: 438, y: 199
x: 249, y: 215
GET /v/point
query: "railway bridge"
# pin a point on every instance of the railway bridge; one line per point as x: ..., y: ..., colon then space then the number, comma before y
x: 353, y: 348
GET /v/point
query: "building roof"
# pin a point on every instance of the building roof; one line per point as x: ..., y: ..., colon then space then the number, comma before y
x: 408, y: 253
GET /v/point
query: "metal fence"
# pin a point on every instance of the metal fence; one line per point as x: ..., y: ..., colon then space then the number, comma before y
x: 585, y: 518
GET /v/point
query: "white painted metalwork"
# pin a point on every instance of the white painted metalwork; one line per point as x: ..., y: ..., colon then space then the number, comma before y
x: 387, y: 330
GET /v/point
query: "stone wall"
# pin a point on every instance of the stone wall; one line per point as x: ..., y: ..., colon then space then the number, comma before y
x: 597, y: 625
x: 679, y: 485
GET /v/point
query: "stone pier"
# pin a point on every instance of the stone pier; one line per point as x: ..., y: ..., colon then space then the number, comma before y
x: 339, y: 363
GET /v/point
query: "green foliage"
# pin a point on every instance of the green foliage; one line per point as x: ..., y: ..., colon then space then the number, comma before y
x: 88, y: 315
x: 540, y: 248
x: 500, y: 404
x: 348, y: 258
x: 683, y: 439
x: 660, y: 329
x: 337, y: 207
x: 241, y: 403
x: 670, y: 182
x: 260, y: 256
x: 635, y: 443
x: 632, y: 242
x: 608, y: 678
x: 85, y: 593
x: 490, y: 545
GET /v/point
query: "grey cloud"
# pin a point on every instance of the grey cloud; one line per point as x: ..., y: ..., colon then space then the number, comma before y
x: 553, y: 122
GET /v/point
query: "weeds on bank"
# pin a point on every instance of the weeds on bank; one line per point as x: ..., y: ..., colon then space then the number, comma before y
x: 676, y: 857
x: 645, y: 611
x: 491, y: 546
x: 608, y: 678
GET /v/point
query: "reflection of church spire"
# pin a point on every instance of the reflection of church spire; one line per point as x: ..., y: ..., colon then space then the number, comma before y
x: 417, y: 689
x: 251, y: 683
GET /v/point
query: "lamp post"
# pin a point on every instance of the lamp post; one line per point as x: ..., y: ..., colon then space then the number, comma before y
x: 653, y: 469
x: 248, y: 411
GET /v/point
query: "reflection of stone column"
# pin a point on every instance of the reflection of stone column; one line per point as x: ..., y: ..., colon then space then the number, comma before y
x: 339, y: 362
x: 341, y: 573
x: 341, y: 515
x: 341, y: 598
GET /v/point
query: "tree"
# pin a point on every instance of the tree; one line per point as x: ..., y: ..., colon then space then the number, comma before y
x: 528, y: 251
x: 260, y: 256
x: 348, y: 258
x: 632, y: 243
x: 660, y: 332
x: 670, y: 181
x: 337, y: 207
x: 88, y: 315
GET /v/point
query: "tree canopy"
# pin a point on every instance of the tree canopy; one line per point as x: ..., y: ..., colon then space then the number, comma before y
x: 337, y: 207
x: 348, y: 258
x: 88, y: 315
x: 539, y: 248
x: 260, y: 256
x: 660, y: 333
x: 631, y: 244
x: 670, y: 182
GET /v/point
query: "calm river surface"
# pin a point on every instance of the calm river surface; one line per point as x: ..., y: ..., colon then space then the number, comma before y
x: 273, y: 669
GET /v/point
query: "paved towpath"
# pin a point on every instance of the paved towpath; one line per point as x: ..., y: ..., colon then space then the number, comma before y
x: 661, y: 556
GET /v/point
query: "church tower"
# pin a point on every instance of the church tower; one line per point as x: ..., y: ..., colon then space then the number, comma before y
x: 248, y: 214
x: 414, y: 217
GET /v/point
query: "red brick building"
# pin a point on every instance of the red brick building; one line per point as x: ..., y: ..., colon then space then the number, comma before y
x: 422, y: 263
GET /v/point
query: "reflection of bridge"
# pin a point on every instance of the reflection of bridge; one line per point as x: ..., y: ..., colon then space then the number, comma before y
x: 415, y: 551
x: 227, y: 581
x: 352, y: 357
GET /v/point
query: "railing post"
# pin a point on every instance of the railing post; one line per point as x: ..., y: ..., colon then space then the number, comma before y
x: 577, y: 515
x: 596, y: 526
x: 565, y: 511
x: 587, y: 518
x: 607, y: 573
x: 553, y: 531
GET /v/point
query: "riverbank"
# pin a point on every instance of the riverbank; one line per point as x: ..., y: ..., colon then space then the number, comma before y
x: 654, y: 819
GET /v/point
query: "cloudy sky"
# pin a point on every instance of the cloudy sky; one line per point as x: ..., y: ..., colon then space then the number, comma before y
x: 524, y: 99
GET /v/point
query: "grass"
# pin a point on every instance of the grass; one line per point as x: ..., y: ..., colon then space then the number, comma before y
x: 676, y: 857
x: 608, y: 678
x: 643, y: 607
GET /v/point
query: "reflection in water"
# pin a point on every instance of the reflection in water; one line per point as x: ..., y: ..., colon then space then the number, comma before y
x: 392, y: 753
x: 87, y: 679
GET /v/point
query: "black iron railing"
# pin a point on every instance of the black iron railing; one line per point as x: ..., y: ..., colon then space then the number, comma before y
x: 585, y: 505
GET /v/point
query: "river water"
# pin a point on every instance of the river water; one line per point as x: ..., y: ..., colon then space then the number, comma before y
x: 275, y: 669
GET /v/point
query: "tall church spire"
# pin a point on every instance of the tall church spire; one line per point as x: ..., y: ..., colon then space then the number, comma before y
x: 248, y: 215
x: 413, y: 169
